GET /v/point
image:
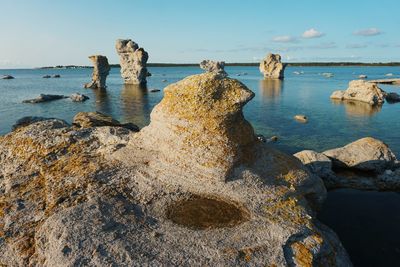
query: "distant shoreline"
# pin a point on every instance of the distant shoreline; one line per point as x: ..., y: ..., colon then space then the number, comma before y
x: 293, y: 64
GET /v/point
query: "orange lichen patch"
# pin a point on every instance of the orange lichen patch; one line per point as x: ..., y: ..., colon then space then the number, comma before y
x: 287, y: 210
x: 303, y: 251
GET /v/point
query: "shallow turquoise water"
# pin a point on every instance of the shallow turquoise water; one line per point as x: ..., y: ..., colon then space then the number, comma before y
x: 271, y: 111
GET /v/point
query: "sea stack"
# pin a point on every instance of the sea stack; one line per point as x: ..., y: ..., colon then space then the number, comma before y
x: 216, y: 67
x: 101, y: 69
x: 363, y: 91
x: 133, y: 61
x: 272, y: 67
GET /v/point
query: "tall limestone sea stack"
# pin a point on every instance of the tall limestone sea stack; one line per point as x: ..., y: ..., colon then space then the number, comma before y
x: 193, y: 188
x: 101, y: 69
x: 133, y: 61
x: 272, y: 67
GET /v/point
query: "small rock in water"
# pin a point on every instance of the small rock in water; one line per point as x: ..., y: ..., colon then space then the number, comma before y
x: 7, y: 77
x: 272, y: 139
x: 362, y: 76
x: 301, y: 118
x: 56, y: 76
x: 392, y: 97
x: 164, y: 81
x: 389, y: 74
x: 77, y: 97
x: 46, y: 76
x: 327, y: 74
x: 261, y: 138
x: 44, y: 98
x: 155, y: 90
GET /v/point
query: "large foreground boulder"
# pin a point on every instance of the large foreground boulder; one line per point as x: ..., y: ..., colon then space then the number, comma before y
x: 272, y: 67
x: 101, y: 69
x: 360, y: 90
x: 194, y: 188
x: 133, y: 61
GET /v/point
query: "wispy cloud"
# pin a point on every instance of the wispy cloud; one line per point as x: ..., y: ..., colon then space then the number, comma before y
x: 327, y: 45
x: 312, y: 33
x: 368, y: 32
x: 356, y: 46
x: 284, y: 39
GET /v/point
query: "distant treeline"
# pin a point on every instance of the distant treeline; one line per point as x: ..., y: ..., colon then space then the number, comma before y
x: 298, y: 64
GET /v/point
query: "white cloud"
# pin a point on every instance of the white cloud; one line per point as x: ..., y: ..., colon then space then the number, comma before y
x: 284, y: 39
x: 312, y: 33
x: 368, y: 32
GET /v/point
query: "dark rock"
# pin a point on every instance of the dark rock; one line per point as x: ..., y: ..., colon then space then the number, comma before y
x: 77, y: 97
x: 155, y: 90
x: 44, y: 98
x: 7, y: 77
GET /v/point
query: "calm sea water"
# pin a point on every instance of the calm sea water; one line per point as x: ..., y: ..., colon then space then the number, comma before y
x: 271, y: 111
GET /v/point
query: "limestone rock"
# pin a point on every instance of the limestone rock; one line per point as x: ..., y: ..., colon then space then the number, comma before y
x: 392, y: 97
x: 25, y: 121
x: 216, y: 67
x: 360, y: 90
x: 97, y: 119
x: 365, y: 154
x: 318, y: 163
x: 44, y: 98
x: 77, y: 97
x: 101, y: 69
x: 194, y: 187
x: 272, y: 67
x: 301, y: 118
x: 133, y: 61
x: 7, y: 77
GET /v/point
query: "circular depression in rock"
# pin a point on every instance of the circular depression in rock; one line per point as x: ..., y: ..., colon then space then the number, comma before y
x: 200, y: 212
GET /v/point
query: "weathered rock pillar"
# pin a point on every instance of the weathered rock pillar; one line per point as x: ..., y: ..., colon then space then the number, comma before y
x: 133, y: 61
x: 100, y: 72
x: 272, y: 67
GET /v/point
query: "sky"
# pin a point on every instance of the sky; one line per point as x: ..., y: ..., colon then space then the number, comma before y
x: 65, y: 32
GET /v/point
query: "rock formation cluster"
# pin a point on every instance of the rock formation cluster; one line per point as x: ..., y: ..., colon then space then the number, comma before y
x: 133, y: 61
x: 361, y: 90
x: 194, y: 187
x: 272, y: 67
x: 101, y: 69
x: 365, y: 164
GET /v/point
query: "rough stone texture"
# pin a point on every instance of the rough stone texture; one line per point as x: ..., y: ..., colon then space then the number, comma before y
x: 216, y: 67
x: 97, y: 119
x: 367, y: 164
x: 272, y: 67
x: 100, y: 196
x: 25, y: 121
x: 360, y: 90
x: 44, y: 98
x: 101, y: 69
x: 77, y: 97
x: 365, y: 154
x: 133, y: 61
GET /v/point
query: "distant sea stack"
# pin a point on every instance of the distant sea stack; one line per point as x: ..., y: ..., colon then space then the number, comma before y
x: 272, y: 67
x: 133, y: 61
x: 216, y: 67
x: 100, y: 72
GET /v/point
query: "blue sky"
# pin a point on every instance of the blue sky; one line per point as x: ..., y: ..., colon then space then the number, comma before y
x: 50, y: 32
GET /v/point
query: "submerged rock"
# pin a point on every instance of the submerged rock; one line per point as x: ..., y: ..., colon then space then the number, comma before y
x: 77, y: 97
x: 97, y: 119
x: 7, y: 77
x: 272, y: 67
x: 44, y: 98
x: 56, y: 76
x: 216, y: 67
x: 392, y: 97
x: 301, y: 118
x: 360, y: 90
x: 46, y: 77
x: 101, y: 69
x: 194, y: 187
x: 133, y: 61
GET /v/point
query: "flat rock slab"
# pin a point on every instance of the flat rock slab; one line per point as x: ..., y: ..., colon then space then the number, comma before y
x: 44, y: 98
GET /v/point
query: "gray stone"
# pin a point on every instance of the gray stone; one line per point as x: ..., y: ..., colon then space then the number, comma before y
x: 44, y: 98
x: 77, y: 97
x: 101, y: 69
x: 216, y: 67
x: 133, y: 61
x: 7, y: 77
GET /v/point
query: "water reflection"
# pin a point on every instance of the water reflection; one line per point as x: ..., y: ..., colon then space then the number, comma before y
x: 135, y: 104
x: 357, y: 108
x: 270, y: 88
x: 103, y: 101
